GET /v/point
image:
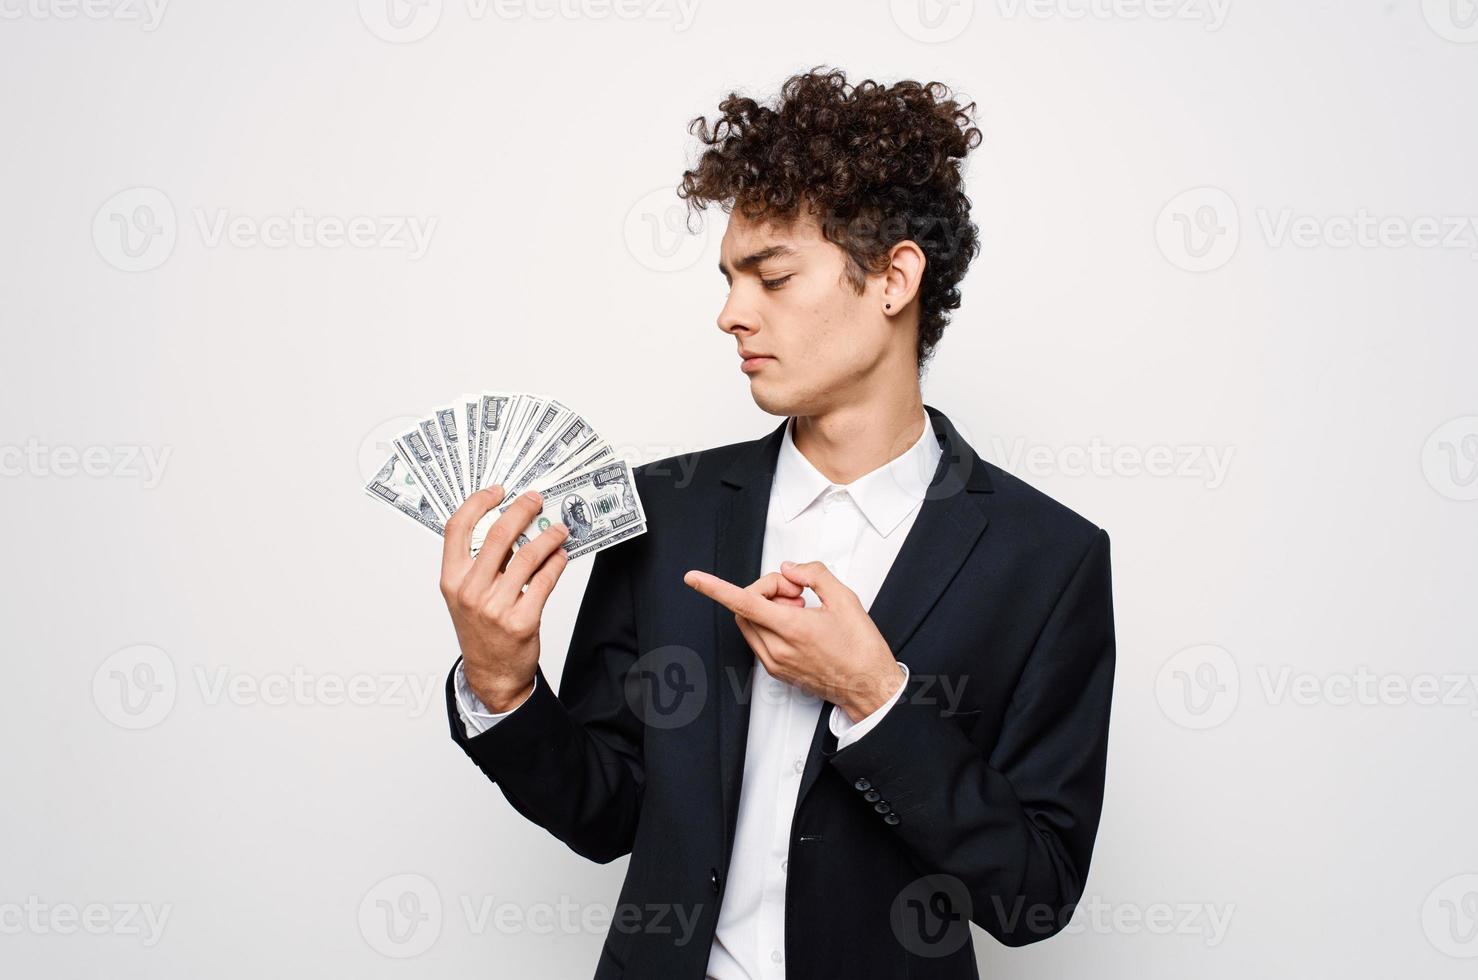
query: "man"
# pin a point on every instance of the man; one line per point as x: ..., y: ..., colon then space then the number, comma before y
x: 850, y: 692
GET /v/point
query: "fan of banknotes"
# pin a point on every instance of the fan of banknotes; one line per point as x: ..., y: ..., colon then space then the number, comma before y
x: 519, y: 441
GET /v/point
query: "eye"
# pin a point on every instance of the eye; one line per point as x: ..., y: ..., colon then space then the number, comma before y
x: 775, y: 283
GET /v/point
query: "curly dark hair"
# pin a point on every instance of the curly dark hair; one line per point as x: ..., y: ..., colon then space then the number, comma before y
x: 878, y: 164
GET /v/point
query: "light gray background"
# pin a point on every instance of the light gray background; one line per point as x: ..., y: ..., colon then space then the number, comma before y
x: 1166, y: 280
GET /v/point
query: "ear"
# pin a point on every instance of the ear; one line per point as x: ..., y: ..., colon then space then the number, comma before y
x: 902, y: 278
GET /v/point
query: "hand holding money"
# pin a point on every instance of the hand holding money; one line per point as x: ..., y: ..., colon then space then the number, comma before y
x: 496, y: 474
x: 497, y: 611
x: 518, y: 442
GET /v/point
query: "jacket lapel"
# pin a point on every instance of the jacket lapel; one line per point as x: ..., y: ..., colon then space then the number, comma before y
x: 949, y: 523
x: 739, y: 548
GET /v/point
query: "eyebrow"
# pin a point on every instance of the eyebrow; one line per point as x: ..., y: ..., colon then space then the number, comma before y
x: 750, y: 261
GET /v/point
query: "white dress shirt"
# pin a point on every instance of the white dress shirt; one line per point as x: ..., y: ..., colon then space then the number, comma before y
x: 856, y: 529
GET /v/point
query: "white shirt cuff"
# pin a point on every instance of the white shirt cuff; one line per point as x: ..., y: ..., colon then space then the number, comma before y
x: 847, y: 731
x: 476, y: 718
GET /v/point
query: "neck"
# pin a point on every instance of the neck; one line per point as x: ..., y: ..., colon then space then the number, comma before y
x: 852, y: 440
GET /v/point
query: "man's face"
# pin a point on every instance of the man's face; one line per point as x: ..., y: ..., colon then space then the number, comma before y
x: 789, y: 299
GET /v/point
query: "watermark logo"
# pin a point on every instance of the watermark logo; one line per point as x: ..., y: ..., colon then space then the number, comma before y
x: 143, y: 921
x: 656, y: 233
x: 1211, y: 14
x: 1453, y: 20
x: 667, y: 687
x: 38, y: 460
x: 400, y: 917
x: 146, y: 13
x: 400, y: 21
x: 135, y: 230
x: 1207, y: 465
x: 1199, y: 230
x: 1450, y: 917
x: 1198, y: 688
x: 1450, y: 459
x: 930, y: 917
x: 378, y: 444
x: 408, y: 21
x: 136, y: 687
x: 932, y: 21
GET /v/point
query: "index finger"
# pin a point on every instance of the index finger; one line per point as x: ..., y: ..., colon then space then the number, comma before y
x: 456, y: 548
x: 752, y: 606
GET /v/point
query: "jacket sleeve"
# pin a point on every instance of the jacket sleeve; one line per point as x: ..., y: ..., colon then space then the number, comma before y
x: 572, y: 762
x: 1014, y: 827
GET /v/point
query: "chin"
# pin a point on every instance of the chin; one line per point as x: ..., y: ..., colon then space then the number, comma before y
x: 779, y: 401
x: 769, y: 401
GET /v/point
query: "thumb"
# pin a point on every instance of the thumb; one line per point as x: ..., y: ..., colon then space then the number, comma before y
x: 828, y: 588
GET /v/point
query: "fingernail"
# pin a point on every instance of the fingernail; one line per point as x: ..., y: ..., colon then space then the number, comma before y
x: 787, y: 564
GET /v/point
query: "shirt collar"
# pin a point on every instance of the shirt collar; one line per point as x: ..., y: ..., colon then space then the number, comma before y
x: 885, y: 495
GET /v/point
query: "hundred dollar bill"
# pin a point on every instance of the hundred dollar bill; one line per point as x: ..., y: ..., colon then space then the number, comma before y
x: 449, y: 434
x: 395, y: 485
x: 571, y: 438
x: 598, y: 506
x: 492, y: 422
x: 467, y: 419
x: 519, y: 411
x: 548, y: 416
x: 413, y: 449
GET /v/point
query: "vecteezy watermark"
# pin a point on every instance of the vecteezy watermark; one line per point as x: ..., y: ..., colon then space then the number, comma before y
x: 1199, y: 230
x: 1453, y: 20
x: 146, y: 13
x: 1210, y: 14
x: 403, y: 916
x: 1450, y: 459
x: 378, y: 444
x: 1100, y: 917
x: 135, y: 688
x: 1207, y: 465
x: 1200, y: 687
x: 138, y: 687
x: 38, y: 460
x: 667, y: 687
x: 932, y: 21
x: 657, y: 235
x: 144, y: 921
x: 400, y: 916
x: 1450, y: 917
x: 938, y: 21
x: 931, y: 917
x: 1282, y: 684
x: 136, y: 230
x: 301, y: 688
x: 408, y: 21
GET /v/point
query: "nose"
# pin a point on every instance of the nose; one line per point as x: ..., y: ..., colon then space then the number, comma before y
x: 735, y: 317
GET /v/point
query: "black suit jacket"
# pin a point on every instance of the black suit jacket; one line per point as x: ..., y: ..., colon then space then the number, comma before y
x: 976, y: 798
